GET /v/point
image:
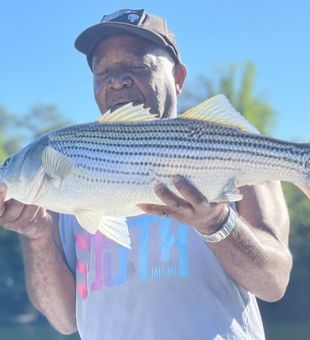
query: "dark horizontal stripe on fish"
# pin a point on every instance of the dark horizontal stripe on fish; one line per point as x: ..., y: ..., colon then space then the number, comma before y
x: 138, y: 135
x: 256, y: 143
x: 113, y: 171
x: 102, y: 131
x: 149, y: 180
x: 177, y: 126
x: 118, y: 131
x: 179, y: 153
x: 111, y: 181
x: 170, y: 142
x: 163, y: 126
x: 147, y: 174
x: 239, y: 163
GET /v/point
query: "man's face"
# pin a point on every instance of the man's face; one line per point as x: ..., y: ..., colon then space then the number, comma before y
x: 128, y: 68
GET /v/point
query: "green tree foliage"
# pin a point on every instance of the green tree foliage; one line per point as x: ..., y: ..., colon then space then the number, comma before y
x: 3, y: 153
x: 9, y: 139
x: 239, y: 88
x: 41, y: 119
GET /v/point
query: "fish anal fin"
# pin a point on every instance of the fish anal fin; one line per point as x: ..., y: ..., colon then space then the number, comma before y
x: 115, y: 228
x: 128, y: 113
x: 219, y: 110
x: 89, y: 220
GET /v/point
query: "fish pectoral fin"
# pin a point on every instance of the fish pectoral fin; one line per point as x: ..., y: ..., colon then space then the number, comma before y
x: 55, y: 164
x: 219, y: 110
x: 127, y: 113
x: 114, y: 228
x: 230, y: 192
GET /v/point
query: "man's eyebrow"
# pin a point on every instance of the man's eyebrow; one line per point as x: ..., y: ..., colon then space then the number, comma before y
x: 96, y: 59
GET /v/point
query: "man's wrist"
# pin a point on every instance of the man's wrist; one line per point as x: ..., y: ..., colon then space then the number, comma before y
x: 223, y: 232
x: 37, y: 242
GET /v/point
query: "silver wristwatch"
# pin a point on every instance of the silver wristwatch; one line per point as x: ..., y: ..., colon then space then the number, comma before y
x: 226, y: 229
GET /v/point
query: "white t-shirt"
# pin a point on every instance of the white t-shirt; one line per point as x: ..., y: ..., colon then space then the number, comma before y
x: 169, y: 286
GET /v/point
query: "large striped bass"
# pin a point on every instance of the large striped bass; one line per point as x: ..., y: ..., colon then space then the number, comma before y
x: 100, y: 171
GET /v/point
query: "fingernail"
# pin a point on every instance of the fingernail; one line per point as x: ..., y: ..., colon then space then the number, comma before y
x: 177, y: 178
x: 2, y: 188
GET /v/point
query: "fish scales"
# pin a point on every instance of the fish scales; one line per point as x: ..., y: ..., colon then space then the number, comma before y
x: 122, y: 144
x: 131, y: 155
x: 100, y: 171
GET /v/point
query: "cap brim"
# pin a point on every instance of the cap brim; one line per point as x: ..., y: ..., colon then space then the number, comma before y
x: 88, y: 39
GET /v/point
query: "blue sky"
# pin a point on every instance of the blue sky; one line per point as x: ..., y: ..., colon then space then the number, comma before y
x: 40, y: 65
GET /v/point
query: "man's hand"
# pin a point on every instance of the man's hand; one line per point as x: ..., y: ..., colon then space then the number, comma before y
x: 28, y: 220
x: 192, y: 208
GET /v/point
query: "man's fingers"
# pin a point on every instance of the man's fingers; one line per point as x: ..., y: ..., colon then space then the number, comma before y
x: 190, y: 193
x: 171, y: 199
x: 161, y: 210
x: 28, y: 214
x: 153, y: 209
x: 12, y: 212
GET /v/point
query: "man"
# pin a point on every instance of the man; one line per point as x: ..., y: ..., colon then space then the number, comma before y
x: 174, y: 283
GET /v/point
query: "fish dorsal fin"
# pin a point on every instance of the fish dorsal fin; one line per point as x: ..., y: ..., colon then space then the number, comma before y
x: 219, y: 110
x: 127, y: 113
x: 55, y: 164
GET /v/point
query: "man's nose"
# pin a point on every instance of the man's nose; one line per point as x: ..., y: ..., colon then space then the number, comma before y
x: 120, y: 80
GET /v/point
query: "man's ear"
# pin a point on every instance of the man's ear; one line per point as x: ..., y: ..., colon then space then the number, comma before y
x: 179, y: 77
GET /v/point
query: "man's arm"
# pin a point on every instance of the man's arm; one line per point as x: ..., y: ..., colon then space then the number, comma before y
x: 50, y: 284
x: 256, y: 253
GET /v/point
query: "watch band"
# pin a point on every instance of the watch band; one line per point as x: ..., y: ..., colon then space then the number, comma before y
x: 226, y: 229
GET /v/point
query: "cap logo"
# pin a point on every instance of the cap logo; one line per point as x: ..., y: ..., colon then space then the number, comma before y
x: 124, y: 15
x: 133, y: 17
